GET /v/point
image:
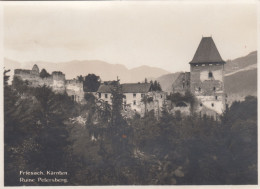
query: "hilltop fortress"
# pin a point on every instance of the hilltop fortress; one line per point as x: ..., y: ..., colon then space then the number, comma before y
x: 205, y: 81
x: 56, y: 81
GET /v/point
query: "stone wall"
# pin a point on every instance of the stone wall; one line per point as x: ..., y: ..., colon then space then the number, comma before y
x: 56, y: 81
x: 207, y: 84
x: 74, y: 88
x: 182, y: 83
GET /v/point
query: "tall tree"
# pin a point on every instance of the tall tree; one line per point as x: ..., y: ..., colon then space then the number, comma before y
x: 91, y: 83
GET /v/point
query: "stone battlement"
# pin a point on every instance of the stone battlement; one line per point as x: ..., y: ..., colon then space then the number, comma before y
x: 56, y: 80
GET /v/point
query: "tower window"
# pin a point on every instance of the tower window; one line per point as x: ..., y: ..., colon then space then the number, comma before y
x: 210, y: 75
x: 214, y: 88
x: 134, y: 102
x: 105, y: 95
x: 199, y: 89
x: 216, y: 97
x: 212, y: 104
x: 134, y: 95
x: 200, y: 104
x: 99, y: 95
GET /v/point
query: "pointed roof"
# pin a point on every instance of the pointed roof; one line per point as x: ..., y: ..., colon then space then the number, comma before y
x: 207, y: 52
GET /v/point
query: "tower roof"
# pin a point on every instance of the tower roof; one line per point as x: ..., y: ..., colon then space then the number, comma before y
x: 207, y: 52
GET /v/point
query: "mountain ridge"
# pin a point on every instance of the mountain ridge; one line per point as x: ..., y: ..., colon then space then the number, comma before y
x: 106, y: 71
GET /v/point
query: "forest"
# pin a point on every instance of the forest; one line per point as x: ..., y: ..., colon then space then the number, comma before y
x: 96, y: 145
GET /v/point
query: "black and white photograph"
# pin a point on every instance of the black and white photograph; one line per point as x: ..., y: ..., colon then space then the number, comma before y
x: 145, y: 93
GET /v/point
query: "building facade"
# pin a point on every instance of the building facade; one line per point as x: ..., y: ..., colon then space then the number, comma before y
x: 138, y: 97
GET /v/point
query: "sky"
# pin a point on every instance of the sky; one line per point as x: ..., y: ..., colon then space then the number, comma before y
x: 158, y: 34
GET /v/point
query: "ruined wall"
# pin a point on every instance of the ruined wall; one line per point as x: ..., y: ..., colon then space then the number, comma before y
x: 58, y: 82
x: 158, y: 100
x: 74, y: 88
x: 182, y: 83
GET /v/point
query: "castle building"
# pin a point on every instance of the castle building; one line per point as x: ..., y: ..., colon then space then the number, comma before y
x: 134, y: 95
x: 56, y: 81
x: 207, y: 78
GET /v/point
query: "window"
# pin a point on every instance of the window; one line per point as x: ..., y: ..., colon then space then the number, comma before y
x: 210, y: 75
x: 161, y: 96
x: 134, y: 102
x: 134, y: 95
x: 212, y: 104
x: 214, y: 88
x: 199, y: 89
x: 99, y: 95
x: 200, y: 104
x: 105, y: 95
x: 216, y: 97
x: 142, y: 95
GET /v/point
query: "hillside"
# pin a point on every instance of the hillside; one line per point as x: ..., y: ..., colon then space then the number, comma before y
x: 241, y: 76
x: 105, y: 70
x: 241, y: 62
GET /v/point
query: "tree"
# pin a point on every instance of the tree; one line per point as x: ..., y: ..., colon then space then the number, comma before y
x: 80, y: 78
x: 155, y: 86
x: 91, y: 83
x: 44, y: 73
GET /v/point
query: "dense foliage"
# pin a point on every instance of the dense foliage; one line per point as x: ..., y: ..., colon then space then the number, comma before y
x: 91, y: 82
x: 97, y: 146
x: 155, y: 86
x: 44, y: 73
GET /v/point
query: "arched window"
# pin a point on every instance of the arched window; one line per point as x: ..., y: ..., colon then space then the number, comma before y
x: 214, y: 88
x: 210, y: 75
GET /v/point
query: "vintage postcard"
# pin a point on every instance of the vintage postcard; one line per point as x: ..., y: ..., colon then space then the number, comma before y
x: 106, y: 93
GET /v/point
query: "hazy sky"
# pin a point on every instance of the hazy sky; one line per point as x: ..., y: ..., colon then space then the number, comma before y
x: 161, y: 34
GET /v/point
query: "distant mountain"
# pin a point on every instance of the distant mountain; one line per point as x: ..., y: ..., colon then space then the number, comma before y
x: 103, y: 69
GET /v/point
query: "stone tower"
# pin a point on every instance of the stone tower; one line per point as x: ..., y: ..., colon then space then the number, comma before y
x: 35, y: 70
x: 207, y: 78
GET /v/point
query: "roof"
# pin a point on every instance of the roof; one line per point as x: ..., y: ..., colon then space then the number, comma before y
x: 136, y: 87
x: 127, y: 88
x: 104, y: 88
x: 207, y: 52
